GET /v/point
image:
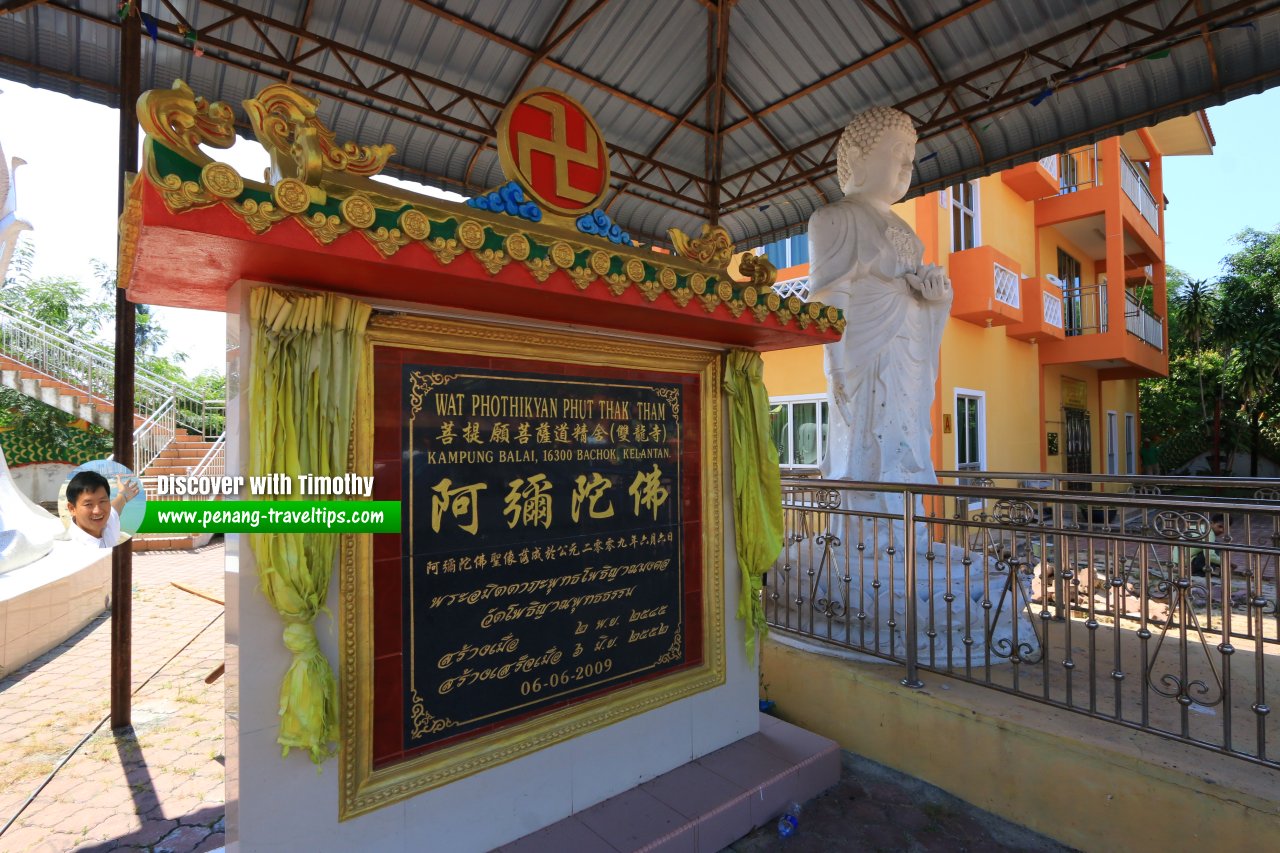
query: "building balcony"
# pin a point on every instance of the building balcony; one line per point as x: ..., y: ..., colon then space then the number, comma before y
x: 1137, y: 188
x: 1046, y: 323
x: 1142, y: 323
x: 987, y: 286
x: 1132, y: 349
x: 1034, y: 181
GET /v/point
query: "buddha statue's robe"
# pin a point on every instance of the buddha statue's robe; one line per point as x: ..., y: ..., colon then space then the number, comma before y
x: 883, y: 371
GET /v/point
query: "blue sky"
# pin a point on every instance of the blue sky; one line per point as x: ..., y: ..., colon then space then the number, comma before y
x: 71, y: 151
x: 1213, y: 198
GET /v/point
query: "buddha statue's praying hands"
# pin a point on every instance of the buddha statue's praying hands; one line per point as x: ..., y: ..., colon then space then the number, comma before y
x: 868, y: 262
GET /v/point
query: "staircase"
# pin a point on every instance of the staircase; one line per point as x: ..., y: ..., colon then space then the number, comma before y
x: 175, y: 430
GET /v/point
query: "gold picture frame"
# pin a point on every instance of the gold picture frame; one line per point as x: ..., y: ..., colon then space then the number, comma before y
x: 366, y: 788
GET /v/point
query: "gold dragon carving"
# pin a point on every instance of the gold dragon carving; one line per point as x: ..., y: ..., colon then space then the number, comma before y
x: 284, y: 120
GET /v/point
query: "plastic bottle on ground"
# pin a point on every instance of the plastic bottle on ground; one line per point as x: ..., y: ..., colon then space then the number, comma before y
x: 789, y: 823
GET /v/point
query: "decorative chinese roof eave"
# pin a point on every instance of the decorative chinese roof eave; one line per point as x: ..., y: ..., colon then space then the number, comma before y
x: 192, y: 227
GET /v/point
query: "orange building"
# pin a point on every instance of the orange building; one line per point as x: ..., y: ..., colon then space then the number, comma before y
x: 1058, y: 268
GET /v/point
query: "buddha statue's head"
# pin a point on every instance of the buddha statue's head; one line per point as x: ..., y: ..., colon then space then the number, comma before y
x: 875, y: 154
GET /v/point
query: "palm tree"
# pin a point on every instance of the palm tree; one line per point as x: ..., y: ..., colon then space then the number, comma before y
x: 1255, y: 367
x: 1196, y: 303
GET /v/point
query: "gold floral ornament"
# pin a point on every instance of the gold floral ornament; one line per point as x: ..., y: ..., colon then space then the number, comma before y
x: 698, y: 283
x: 667, y: 278
x: 600, y: 262
x: 517, y: 246
x: 358, y: 210
x: 259, y: 216
x: 221, y: 180
x: 444, y: 249
x: 387, y: 241
x: 471, y: 234
x: 130, y: 230
x: 540, y: 268
x: 324, y: 227
x: 618, y: 283
x: 492, y: 261
x: 562, y: 254
x: 713, y: 248
x: 582, y: 277
x: 291, y: 195
x: 415, y: 223
x: 635, y: 270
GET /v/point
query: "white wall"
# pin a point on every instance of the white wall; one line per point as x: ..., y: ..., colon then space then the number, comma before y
x: 41, y: 481
x: 275, y: 804
x: 1239, y: 465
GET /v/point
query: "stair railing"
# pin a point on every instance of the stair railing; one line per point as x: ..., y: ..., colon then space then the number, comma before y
x: 90, y: 368
x: 214, y: 462
x: 155, y: 434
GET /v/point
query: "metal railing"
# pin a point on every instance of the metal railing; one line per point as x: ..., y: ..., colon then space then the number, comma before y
x: 1151, y: 611
x: 155, y: 434
x: 214, y: 462
x: 1085, y: 309
x: 1135, y: 186
x: 1142, y: 323
x: 1078, y: 170
x: 90, y: 369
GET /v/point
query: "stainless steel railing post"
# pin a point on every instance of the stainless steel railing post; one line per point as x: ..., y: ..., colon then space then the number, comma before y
x: 909, y: 569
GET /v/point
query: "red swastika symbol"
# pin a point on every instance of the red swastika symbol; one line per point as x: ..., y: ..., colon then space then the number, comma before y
x: 556, y: 152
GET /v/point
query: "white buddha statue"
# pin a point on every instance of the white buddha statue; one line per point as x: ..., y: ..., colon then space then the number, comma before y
x: 881, y: 376
x: 26, y: 531
x: 867, y: 262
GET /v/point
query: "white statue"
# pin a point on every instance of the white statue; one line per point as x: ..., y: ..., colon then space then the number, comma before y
x: 881, y: 376
x: 867, y: 262
x: 10, y: 225
x: 26, y: 531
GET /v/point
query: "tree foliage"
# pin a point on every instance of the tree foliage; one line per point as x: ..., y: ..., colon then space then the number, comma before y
x: 69, y: 307
x: 1224, y: 356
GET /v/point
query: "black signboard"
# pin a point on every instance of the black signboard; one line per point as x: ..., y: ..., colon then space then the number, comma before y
x: 543, y: 515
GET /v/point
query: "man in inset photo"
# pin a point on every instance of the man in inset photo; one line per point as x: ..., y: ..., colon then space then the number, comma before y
x: 95, y: 515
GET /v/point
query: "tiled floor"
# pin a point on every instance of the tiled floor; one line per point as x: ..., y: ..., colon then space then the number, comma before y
x: 160, y: 787
x: 156, y: 788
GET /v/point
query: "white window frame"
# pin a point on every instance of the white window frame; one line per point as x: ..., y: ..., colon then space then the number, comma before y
x: 944, y: 198
x: 981, y: 397
x: 1130, y: 439
x: 790, y: 399
x: 975, y: 212
x: 1113, y: 441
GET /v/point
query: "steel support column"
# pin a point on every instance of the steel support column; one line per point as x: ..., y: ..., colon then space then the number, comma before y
x: 126, y: 322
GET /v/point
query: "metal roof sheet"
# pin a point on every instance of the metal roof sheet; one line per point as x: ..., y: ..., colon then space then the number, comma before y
x: 990, y: 83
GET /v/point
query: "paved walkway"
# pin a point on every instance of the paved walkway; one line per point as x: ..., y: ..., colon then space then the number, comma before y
x: 156, y: 788
x: 874, y: 808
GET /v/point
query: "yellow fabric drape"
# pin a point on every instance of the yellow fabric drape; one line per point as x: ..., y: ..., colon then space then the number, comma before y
x: 757, y: 484
x: 306, y: 354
